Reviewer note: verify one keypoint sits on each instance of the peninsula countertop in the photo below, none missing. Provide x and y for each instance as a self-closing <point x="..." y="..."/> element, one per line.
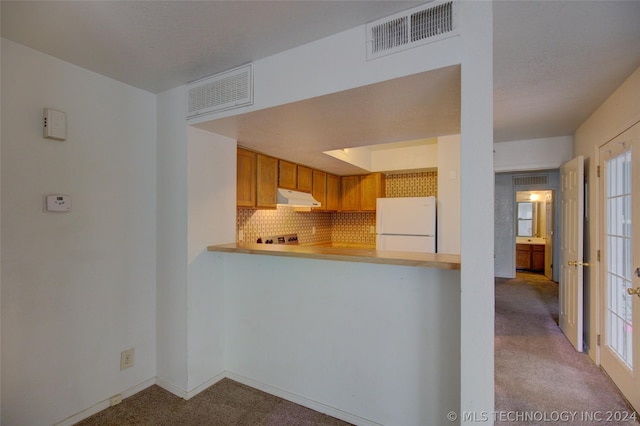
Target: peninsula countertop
<point x="345" y="254"/>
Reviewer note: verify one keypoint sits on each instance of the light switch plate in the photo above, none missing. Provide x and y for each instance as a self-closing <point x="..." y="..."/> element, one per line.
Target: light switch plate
<point x="58" y="203"/>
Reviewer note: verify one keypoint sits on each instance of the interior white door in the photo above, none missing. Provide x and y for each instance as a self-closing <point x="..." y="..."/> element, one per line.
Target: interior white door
<point x="571" y="262"/>
<point x="619" y="242"/>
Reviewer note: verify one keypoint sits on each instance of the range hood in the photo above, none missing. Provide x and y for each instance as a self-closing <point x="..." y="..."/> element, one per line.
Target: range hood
<point x="287" y="197"/>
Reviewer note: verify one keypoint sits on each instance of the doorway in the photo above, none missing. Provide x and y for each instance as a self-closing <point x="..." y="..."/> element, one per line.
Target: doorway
<point x="535" y="228"/>
<point x="619" y="273"/>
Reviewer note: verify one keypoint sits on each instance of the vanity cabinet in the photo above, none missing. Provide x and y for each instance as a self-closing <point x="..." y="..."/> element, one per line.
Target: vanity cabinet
<point x="530" y="257"/>
<point x="246" y="178"/>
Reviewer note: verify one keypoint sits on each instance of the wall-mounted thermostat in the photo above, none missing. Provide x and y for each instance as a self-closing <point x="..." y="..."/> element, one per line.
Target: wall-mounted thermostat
<point x="58" y="203"/>
<point x="55" y="124"/>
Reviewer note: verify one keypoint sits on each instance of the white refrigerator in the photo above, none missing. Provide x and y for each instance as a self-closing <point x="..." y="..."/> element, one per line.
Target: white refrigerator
<point x="406" y="224"/>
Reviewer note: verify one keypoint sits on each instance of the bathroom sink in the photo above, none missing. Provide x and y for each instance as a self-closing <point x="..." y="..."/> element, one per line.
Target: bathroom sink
<point x="530" y="240"/>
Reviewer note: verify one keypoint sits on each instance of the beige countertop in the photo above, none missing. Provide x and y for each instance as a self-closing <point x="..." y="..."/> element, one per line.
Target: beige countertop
<point x="346" y="254"/>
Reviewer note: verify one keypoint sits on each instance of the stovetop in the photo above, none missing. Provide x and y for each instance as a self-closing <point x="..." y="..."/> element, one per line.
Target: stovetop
<point x="279" y="239"/>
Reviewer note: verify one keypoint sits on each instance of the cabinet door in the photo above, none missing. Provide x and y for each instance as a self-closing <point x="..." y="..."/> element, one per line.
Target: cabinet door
<point x="333" y="192"/>
<point x="350" y="193"/>
<point x="523" y="256"/>
<point x="320" y="188"/>
<point x="305" y="179"/>
<point x="371" y="188"/>
<point x="246" y="178"/>
<point x="288" y="175"/>
<point x="537" y="258"/>
<point x="267" y="181"/>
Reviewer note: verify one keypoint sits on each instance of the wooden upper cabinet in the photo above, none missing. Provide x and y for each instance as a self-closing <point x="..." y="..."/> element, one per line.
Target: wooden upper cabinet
<point x="246" y="178"/>
<point x="288" y="176"/>
<point x="350" y="193"/>
<point x="305" y="179"/>
<point x="372" y="187"/>
<point x="320" y="188"/>
<point x="333" y="192"/>
<point x="267" y="181"/>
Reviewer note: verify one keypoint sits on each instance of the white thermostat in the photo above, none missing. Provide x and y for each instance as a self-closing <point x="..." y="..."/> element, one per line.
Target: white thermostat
<point x="58" y="203"/>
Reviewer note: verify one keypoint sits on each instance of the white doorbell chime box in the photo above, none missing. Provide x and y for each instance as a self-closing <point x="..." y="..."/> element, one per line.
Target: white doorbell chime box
<point x="55" y="124"/>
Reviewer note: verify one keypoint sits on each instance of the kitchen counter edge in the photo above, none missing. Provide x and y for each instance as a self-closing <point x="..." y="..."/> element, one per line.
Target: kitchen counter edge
<point x="381" y="257"/>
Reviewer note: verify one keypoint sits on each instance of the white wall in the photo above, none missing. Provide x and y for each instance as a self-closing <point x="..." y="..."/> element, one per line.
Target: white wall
<point x="363" y="342"/>
<point x="77" y="287"/>
<point x="532" y="154"/>
<point x="405" y="159"/>
<point x="212" y="218"/>
<point x="171" y="229"/>
<point x="449" y="194"/>
<point x="619" y="112"/>
<point x="292" y="76"/>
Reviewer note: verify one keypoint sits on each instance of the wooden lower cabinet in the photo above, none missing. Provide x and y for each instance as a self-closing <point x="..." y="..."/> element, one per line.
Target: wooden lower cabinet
<point x="530" y="257"/>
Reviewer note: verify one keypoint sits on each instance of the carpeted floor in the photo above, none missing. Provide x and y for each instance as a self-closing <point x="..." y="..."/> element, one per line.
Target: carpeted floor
<point x="227" y="403"/>
<point x="537" y="371"/>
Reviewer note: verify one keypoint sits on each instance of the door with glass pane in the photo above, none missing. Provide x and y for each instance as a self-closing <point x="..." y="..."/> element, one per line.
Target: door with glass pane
<point x="620" y="258"/>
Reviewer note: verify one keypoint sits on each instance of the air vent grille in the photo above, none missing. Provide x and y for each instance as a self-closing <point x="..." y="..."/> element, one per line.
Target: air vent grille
<point x="531" y="180"/>
<point x="411" y="28"/>
<point x="227" y="90"/>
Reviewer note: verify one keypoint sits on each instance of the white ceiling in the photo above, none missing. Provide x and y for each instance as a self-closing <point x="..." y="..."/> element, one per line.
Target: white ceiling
<point x="554" y="62"/>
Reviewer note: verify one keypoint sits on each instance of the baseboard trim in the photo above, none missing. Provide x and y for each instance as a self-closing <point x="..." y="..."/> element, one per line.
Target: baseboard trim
<point x="96" y="408"/>
<point x="301" y="400"/>
<point x="181" y="393"/>
<point x="184" y="394"/>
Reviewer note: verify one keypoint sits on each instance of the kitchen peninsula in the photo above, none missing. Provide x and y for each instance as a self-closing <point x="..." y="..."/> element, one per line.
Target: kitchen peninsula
<point x="424" y="260"/>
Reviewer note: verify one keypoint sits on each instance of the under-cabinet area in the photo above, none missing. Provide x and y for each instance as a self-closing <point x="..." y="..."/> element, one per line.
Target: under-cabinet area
<point x="347" y="212"/>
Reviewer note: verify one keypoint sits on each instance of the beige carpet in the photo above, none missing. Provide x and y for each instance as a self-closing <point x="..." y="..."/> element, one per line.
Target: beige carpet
<point x="537" y="371"/>
<point x="225" y="403"/>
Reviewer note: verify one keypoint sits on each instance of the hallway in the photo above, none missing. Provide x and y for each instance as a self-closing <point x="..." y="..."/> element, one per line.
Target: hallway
<point x="539" y="377"/>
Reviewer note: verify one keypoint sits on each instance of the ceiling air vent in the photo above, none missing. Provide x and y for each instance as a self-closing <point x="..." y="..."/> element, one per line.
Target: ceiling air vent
<point x="227" y="90"/>
<point x="411" y="28"/>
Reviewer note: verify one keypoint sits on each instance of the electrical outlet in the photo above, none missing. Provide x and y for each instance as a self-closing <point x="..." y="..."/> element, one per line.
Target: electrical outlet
<point x="126" y="359"/>
<point x="116" y="399"/>
<point x="241" y="235"/>
<point x="313" y="230"/>
<point x="372" y="229"/>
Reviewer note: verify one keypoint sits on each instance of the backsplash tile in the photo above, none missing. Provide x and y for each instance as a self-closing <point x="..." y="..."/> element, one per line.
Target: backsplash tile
<point x="419" y="184"/>
<point x="339" y="227"/>
<point x="284" y="220"/>
<point x="353" y="227"/>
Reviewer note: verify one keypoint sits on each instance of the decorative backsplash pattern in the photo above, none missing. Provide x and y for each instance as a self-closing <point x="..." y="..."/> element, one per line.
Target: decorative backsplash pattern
<point x="353" y="227"/>
<point x="419" y="184"/>
<point x="338" y="227"/>
<point x="284" y="220"/>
